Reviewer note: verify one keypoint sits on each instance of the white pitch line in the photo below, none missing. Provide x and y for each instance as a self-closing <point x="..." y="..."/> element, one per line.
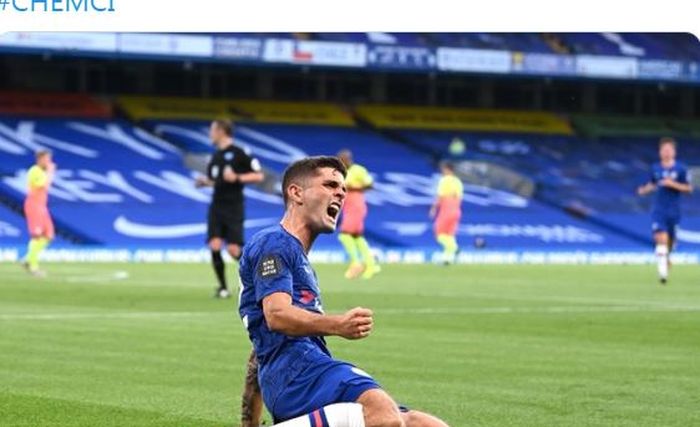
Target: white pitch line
<point x="113" y="315"/>
<point x="575" y="299"/>
<point x="106" y="279"/>
<point x="415" y="311"/>
<point x="540" y="310"/>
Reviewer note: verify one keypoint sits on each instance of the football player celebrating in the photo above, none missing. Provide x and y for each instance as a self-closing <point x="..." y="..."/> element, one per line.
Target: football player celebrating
<point x="669" y="178"/>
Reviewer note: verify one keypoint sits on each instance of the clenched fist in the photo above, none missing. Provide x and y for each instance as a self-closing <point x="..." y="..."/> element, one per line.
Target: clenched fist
<point x="355" y="324"/>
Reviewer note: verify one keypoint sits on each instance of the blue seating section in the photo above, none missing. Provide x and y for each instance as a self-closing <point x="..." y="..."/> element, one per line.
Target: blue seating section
<point x="676" y="46"/>
<point x="122" y="186"/>
<point x="403" y="39"/>
<point x="13" y="230"/>
<point x="116" y="184"/>
<point x="188" y="135"/>
<point x="643" y="45"/>
<point x="596" y="178"/>
<point x="525" y="42"/>
<point x="405" y="181"/>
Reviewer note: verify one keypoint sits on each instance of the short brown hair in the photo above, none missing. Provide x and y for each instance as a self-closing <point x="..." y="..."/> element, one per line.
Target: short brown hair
<point x="308" y="167"/>
<point x="41" y="153"/>
<point x="667" y="140"/>
<point x="447" y="165"/>
<point x="224" y="125"/>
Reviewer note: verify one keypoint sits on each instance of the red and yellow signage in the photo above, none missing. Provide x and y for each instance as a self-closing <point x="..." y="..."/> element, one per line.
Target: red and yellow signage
<point x="52" y="105"/>
<point x="311" y="113"/>
<point x="436" y="118"/>
<point x="146" y="107"/>
<point x="153" y="107"/>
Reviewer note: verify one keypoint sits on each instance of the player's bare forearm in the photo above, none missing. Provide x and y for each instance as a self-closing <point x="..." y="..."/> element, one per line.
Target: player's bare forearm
<point x="251" y="177"/>
<point x="49" y="178"/>
<point x="683" y="188"/>
<point x="646" y="189"/>
<point x="283" y="317"/>
<point x="251" y="401"/>
<point x="203" y="182"/>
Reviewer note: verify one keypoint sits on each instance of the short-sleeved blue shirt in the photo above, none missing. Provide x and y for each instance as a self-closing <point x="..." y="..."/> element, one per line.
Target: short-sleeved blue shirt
<point x="274" y="261"/>
<point x="667" y="201"/>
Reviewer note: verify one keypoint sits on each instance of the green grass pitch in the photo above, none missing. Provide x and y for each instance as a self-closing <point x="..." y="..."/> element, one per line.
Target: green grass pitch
<point x="477" y="345"/>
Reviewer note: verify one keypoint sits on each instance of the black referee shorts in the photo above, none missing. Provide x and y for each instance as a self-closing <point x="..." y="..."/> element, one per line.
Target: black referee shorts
<point x="225" y="222"/>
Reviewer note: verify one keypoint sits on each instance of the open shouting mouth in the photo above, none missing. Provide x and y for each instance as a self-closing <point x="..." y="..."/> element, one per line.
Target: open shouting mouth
<point x="333" y="211"/>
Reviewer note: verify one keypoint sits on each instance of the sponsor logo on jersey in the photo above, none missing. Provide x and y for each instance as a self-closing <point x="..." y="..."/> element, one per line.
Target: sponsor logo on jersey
<point x="307" y="296"/>
<point x="269" y="266"/>
<point x="360" y="372"/>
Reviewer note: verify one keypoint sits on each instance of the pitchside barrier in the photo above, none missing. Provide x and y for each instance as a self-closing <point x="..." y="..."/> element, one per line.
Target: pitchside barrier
<point x="385" y="256"/>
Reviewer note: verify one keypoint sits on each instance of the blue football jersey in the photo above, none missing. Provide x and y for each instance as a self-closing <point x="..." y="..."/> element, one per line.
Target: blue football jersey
<point x="667" y="201"/>
<point x="274" y="261"/>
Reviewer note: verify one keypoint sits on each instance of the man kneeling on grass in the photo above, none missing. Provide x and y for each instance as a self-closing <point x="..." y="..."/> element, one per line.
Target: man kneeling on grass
<point x="280" y="305"/>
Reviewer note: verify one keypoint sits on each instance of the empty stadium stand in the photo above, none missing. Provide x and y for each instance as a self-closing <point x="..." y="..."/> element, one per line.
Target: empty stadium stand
<point x="124" y="183"/>
<point x="592" y="178"/>
<point x="13" y="230"/>
<point x="404" y="189"/>
<point x="116" y="183"/>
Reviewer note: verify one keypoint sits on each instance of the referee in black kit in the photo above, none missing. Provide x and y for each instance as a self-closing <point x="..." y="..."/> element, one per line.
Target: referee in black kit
<point x="228" y="170"/>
